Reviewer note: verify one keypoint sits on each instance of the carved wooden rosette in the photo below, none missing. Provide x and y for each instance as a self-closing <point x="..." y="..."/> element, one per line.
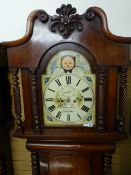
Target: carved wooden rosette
<point x="107" y="164"/>
<point x="35" y="102"/>
<point x="66" y="21"/>
<point x="17" y="101"/>
<point x="35" y="163"/>
<point x="122" y="100"/>
<point x="100" y="99"/>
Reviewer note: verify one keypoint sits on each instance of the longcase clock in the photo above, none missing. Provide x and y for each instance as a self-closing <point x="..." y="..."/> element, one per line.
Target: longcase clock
<point x="73" y="73"/>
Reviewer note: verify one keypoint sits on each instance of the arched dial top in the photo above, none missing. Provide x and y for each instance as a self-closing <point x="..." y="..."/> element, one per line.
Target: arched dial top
<point x="68" y="90"/>
<point x="68" y="61"/>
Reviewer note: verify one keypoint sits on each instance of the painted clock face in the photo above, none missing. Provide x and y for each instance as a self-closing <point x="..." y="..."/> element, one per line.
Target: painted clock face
<point x="68" y="91"/>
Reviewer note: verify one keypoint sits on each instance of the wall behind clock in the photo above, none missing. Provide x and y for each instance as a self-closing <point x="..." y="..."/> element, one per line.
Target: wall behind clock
<point x="13" y="17"/>
<point x="14" y="13"/>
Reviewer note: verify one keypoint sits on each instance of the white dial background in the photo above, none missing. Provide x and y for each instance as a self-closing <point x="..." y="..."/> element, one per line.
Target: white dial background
<point x="69" y="99"/>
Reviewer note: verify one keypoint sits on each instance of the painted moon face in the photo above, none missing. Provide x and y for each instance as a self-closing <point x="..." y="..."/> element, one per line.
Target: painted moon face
<point x="68" y="63"/>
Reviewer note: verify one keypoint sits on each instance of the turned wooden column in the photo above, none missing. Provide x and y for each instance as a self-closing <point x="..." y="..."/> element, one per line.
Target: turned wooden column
<point x="122" y="100"/>
<point x="17" y="100"/>
<point x="107" y="164"/>
<point x="35" y="163"/>
<point x="100" y="99"/>
<point x="35" y="102"/>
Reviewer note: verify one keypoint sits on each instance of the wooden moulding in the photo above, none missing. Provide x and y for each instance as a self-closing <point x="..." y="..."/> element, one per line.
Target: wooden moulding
<point x="89" y="147"/>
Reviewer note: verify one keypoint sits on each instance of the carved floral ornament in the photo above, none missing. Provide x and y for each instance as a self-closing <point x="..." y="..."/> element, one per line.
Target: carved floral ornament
<point x="66" y="21"/>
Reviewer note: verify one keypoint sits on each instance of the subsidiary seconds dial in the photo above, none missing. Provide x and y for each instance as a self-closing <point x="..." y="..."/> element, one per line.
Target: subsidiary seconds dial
<point x="69" y="99"/>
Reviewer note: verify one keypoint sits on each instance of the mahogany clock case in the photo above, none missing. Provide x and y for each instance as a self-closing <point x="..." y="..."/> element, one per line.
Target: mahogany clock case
<point x="105" y="52"/>
<point x="108" y="56"/>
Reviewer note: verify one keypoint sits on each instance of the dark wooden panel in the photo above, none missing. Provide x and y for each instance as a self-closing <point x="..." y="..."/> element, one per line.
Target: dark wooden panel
<point x="70" y="163"/>
<point x="112" y="91"/>
<point x="27" y="98"/>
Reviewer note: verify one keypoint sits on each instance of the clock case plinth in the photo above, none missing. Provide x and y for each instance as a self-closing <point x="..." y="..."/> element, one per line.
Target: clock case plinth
<point x="70" y="150"/>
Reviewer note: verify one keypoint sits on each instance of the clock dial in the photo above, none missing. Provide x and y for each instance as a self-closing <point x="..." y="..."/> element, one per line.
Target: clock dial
<point x="69" y="99"/>
<point x="68" y="90"/>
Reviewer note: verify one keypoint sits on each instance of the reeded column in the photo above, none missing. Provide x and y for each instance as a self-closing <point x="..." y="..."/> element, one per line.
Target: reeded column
<point x="35" y="99"/>
<point x="107" y="164"/>
<point x="35" y="163"/>
<point x="100" y="92"/>
<point x="122" y="100"/>
<point x="17" y="100"/>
